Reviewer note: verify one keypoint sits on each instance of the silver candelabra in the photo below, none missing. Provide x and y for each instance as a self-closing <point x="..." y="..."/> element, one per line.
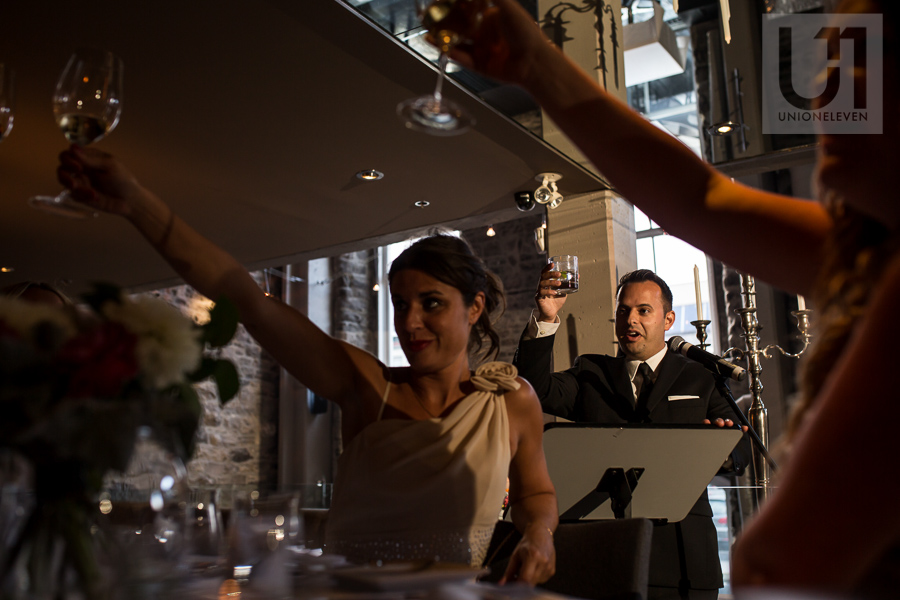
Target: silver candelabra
<point x="756" y="415"/>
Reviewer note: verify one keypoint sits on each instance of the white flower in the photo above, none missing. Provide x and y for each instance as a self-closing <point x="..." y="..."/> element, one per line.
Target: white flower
<point x="168" y="344"/>
<point x="22" y="316"/>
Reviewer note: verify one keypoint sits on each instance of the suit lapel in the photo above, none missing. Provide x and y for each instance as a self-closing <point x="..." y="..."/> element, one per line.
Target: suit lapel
<point x="666" y="374"/>
<point x="621" y="384"/>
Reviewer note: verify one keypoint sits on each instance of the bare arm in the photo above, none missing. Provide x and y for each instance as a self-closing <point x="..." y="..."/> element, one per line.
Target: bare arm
<point x="811" y="533"/>
<point x="312" y="356"/>
<point x="531" y="494"/>
<point x="771" y="236"/>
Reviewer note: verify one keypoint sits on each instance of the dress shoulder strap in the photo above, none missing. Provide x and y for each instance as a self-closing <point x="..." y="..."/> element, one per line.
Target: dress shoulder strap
<point x="387" y="390"/>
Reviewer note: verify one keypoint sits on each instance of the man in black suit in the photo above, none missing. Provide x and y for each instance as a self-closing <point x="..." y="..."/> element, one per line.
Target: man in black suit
<point x="644" y="384"/>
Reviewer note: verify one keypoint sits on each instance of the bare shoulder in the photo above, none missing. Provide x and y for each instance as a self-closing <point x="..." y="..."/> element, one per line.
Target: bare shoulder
<point x="524" y="409"/>
<point x="524" y="398"/>
<point x="370" y="375"/>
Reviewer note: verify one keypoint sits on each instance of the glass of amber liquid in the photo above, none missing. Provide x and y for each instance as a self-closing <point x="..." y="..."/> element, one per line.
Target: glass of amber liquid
<point x="567" y="265"/>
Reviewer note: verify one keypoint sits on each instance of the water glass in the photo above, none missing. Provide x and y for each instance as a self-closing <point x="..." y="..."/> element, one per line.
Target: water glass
<point x="204" y="532"/>
<point x="267" y="520"/>
<point x="567" y="265"/>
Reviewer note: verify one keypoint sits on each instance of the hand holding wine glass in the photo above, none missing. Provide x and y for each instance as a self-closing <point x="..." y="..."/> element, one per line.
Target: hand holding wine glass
<point x="6" y="100"/>
<point x="449" y="23"/>
<point x="87" y="105"/>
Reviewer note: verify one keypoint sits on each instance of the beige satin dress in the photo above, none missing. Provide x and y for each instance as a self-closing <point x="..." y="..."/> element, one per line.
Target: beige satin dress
<point x="411" y="490"/>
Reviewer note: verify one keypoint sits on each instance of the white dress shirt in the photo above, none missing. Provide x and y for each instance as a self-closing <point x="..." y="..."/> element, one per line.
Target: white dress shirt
<point x="538" y="329"/>
<point x="653" y="362"/>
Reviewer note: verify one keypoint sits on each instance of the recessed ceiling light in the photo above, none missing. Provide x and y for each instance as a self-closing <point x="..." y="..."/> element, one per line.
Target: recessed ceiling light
<point x="370" y="175"/>
<point x="422" y="204"/>
<point x="726" y="128"/>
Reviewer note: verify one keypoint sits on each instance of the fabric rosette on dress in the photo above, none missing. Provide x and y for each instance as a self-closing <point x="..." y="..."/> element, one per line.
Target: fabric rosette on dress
<point x="496" y="377"/>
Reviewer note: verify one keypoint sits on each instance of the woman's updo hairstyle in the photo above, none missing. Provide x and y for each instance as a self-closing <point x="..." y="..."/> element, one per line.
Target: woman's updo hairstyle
<point x="450" y="260"/>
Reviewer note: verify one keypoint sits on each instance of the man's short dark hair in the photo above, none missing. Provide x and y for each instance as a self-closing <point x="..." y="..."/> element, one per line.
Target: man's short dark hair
<point x="642" y="275"/>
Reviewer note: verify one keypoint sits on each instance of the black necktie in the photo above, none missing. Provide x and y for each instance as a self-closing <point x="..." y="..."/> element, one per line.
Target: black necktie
<point x="643" y="383"/>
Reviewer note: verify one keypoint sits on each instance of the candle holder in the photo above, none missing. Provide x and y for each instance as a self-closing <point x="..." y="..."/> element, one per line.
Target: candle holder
<point x="701" y="325"/>
<point x="757" y="413"/>
<point x="802" y="316"/>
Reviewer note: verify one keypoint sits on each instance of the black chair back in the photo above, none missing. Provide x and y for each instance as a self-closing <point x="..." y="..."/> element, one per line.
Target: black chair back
<point x="599" y="560"/>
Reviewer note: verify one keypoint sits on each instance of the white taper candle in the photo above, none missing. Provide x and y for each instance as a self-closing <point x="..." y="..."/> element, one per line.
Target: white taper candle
<point x="697" y="291"/>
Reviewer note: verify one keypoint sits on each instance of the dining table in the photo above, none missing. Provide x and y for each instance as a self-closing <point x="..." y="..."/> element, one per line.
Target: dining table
<point x="299" y="573"/>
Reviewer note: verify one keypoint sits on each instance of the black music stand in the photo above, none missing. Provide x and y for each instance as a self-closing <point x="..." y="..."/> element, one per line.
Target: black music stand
<point x="652" y="471"/>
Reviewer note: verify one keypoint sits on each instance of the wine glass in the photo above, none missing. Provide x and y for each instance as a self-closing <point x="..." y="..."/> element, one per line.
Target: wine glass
<point x="262" y="527"/>
<point x="7" y="78"/>
<point x="87" y="105"/>
<point x="450" y="23"/>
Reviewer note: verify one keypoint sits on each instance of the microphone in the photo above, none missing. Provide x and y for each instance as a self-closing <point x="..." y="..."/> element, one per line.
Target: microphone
<point x="716" y="364"/>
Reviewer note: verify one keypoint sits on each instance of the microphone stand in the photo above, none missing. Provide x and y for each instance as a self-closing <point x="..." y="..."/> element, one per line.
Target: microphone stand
<point x="725" y="391"/>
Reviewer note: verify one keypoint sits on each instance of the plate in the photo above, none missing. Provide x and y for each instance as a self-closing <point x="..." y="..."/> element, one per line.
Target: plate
<point x="406" y="575"/>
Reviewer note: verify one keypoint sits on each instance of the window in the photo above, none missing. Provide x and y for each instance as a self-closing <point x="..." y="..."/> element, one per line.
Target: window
<point x="674" y="260"/>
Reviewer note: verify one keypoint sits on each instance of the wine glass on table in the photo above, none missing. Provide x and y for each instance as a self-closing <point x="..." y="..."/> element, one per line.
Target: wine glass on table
<point x="7" y="77"/>
<point x="87" y="105"/>
<point x="449" y="23"/>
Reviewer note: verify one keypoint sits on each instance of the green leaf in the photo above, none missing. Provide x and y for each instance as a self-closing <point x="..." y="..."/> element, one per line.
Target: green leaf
<point x="187" y="428"/>
<point x="227" y="380"/>
<point x="222" y="325"/>
<point x="102" y="293"/>
<point x="183" y="418"/>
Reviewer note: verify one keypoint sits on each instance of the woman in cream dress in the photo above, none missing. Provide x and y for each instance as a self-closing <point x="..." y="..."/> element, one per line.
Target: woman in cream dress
<point x="429" y="446"/>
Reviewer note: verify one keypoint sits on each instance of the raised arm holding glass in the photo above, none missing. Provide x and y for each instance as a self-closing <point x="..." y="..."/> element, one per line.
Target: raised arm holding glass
<point x="428" y="447"/>
<point x="841" y="251"/>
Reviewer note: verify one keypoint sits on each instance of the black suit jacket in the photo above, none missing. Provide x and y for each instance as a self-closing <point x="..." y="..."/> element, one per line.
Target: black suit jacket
<point x="597" y="389"/>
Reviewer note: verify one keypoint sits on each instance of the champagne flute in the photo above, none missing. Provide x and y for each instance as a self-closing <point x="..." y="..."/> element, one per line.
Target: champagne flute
<point x="7" y="78"/>
<point x="450" y="23"/>
<point x="87" y="105"/>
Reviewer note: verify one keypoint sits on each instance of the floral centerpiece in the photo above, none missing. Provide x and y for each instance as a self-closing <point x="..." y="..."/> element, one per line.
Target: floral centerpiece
<point x="75" y="385"/>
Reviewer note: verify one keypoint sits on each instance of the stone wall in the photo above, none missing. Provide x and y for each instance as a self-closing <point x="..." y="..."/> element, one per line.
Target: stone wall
<point x="354" y="304"/>
<point x="237" y="442"/>
<point x="512" y="255"/>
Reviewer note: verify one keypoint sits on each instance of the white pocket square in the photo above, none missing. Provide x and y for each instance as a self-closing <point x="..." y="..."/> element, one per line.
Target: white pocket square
<point x="674" y="398"/>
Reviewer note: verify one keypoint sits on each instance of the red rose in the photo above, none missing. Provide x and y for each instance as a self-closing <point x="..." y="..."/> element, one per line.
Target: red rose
<point x="101" y="361"/>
